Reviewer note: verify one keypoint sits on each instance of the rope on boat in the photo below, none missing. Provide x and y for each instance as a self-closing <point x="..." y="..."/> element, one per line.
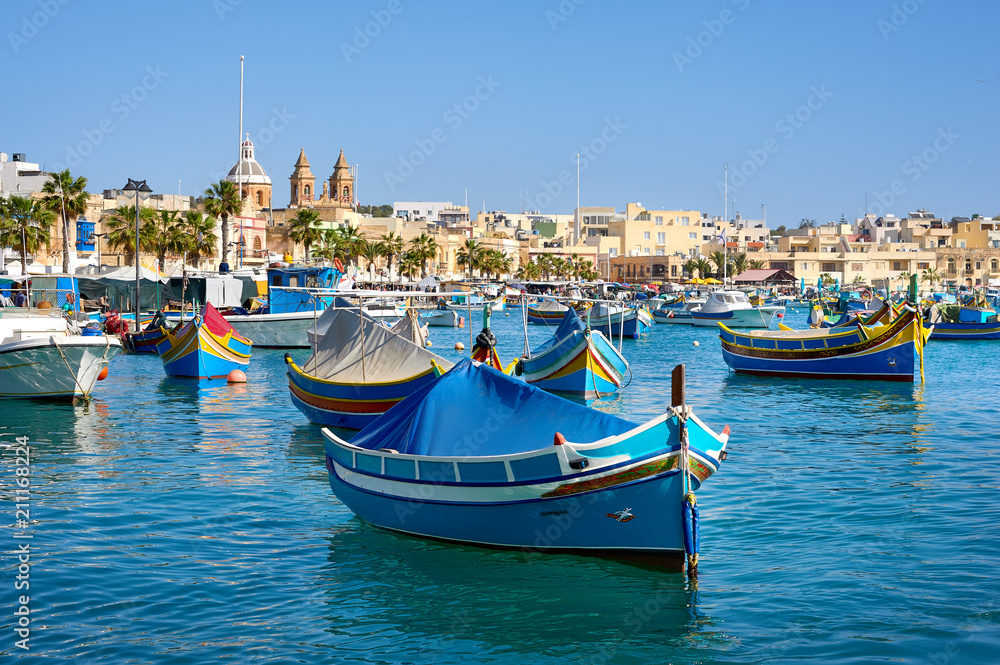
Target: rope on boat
<point x="107" y="347"/>
<point x="692" y="523"/>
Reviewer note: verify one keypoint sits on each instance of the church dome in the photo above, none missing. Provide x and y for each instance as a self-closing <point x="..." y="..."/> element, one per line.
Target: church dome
<point x="248" y="171"/>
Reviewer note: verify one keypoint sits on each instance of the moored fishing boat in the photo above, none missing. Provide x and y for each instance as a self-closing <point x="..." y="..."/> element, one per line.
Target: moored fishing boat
<point x="885" y="352"/>
<point x="478" y="457"/>
<point x="682" y="314"/>
<point x="546" y="311"/>
<point x="615" y="319"/>
<point x="145" y="341"/>
<point x="207" y="347"/>
<point x="43" y="356"/>
<point x="576" y="361"/>
<point x="734" y="310"/>
<point x="441" y="316"/>
<point x="971" y="319"/>
<point x="358" y="370"/>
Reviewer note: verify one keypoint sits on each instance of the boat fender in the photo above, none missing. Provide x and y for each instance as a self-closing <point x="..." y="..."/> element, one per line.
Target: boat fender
<point x="691" y="523"/>
<point x="519" y="367"/>
<point x="486" y="339"/>
<point x="558" y="439"/>
<point x="338" y="265"/>
<point x="288" y="359"/>
<point x="461" y="322"/>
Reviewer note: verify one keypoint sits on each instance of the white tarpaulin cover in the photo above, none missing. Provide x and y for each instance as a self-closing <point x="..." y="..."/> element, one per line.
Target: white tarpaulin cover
<point x="550" y="306"/>
<point x="387" y="356"/>
<point x="409" y="328"/>
<point x="127" y="274"/>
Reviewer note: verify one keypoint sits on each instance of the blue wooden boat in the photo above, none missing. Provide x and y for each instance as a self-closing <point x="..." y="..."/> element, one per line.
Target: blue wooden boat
<point x="616" y="319"/>
<point x="969" y="320"/>
<point x="148" y="338"/>
<point x="481" y="458"/>
<point x="546" y="311"/>
<point x="206" y="347"/>
<point x="358" y="371"/>
<point x="576" y="361"/>
<point x="884" y="352"/>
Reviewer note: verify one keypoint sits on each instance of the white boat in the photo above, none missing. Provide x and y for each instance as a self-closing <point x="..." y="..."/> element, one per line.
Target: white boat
<point x="734" y="309"/>
<point x="463" y="304"/>
<point x="42" y="356"/>
<point x="442" y="316"/>
<point x="385" y="309"/>
<point x="681" y="314"/>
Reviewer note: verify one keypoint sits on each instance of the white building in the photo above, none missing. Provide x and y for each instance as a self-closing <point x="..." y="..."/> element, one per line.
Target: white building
<point x="18" y="176"/>
<point x="444" y="212"/>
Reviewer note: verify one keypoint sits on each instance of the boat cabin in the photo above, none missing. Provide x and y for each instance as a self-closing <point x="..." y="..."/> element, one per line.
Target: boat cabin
<point x="283" y="295"/>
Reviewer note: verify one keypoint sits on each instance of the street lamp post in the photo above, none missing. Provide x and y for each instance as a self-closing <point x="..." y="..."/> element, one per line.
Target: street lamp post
<point x="98" y="236"/>
<point x="139" y="190"/>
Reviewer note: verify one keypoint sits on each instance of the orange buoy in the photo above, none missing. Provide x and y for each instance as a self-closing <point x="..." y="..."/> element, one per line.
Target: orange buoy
<point x="459" y="346"/>
<point x="461" y="322"/>
<point x="236" y="376"/>
<point x="104" y="373"/>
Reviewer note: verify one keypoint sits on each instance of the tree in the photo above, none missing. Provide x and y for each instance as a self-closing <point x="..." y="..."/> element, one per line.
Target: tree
<point x="370" y="251"/>
<point x="304" y="228"/>
<point x="120" y="227"/>
<point x="720" y="260"/>
<point x="67" y="197"/>
<point x="931" y="276"/>
<point x="529" y="271"/>
<point x="27" y="224"/>
<point x="826" y="278"/>
<point x="424" y="247"/>
<point x="704" y="267"/>
<point x="780" y="231"/>
<point x="807" y="223"/>
<point x="331" y="246"/>
<point x="409" y="264"/>
<point x="198" y="230"/>
<point x="545" y="264"/>
<point x="392" y="246"/>
<point x="164" y="235"/>
<point x="469" y="255"/>
<point x="350" y="238"/>
<point x="757" y="264"/>
<point x="690" y="267"/>
<point x="741" y="262"/>
<point x="223" y="200"/>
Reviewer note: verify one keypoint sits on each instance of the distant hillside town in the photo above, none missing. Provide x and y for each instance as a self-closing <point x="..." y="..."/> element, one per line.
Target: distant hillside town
<point x="235" y="224"/>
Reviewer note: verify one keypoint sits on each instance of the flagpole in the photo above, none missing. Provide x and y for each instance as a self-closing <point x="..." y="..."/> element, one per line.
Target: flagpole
<point x="725" y="223"/>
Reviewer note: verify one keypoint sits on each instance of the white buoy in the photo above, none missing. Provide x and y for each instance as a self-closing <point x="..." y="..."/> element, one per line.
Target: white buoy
<point x="696" y="343"/>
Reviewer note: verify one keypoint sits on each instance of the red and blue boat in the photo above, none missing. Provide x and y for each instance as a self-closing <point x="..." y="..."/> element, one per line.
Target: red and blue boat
<point x="576" y="361"/>
<point x="970" y="319"/>
<point x="207" y="347"/>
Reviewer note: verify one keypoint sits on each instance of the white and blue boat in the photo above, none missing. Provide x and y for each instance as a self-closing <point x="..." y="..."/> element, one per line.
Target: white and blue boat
<point x="733" y="309"/>
<point x="481" y="458"/>
<point x="575" y="361"/>
<point x="616" y="319"/>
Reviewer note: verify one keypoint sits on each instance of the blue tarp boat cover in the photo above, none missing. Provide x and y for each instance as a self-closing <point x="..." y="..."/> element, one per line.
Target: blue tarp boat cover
<point x="571" y="323"/>
<point x="474" y="410"/>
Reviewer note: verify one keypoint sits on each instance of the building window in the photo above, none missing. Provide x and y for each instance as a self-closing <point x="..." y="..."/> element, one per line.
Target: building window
<point x="968" y="266"/>
<point x="659" y="220"/>
<point x="260" y="202"/>
<point x="256" y="244"/>
<point x="661" y="238"/>
<point x="896" y="265"/>
<point x="978" y="266"/>
<point x="805" y="266"/>
<point x="645" y="250"/>
<point x="305" y="190"/>
<point x="673" y="271"/>
<point x="779" y="265"/>
<point x="347" y="192"/>
<point x="993" y="265"/>
<point x="692" y="236"/>
<point x="685" y="221"/>
<point x="857" y="267"/>
<point x="613" y="251"/>
<point x="923" y="266"/>
<point x="295" y="192"/>
<point x="645" y="235"/>
<point x="829" y="267"/>
<point x="951" y="265"/>
<point x="661" y="252"/>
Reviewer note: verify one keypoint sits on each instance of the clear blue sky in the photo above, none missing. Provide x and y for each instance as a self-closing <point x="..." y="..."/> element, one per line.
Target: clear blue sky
<point x="663" y="93"/>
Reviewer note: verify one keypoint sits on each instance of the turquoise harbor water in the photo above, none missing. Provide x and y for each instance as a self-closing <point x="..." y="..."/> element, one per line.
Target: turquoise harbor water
<point x="177" y="522"/>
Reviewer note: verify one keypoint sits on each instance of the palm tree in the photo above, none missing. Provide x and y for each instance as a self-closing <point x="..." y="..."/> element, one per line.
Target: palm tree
<point x="931" y="276"/>
<point x="392" y="244"/>
<point x="757" y="264"/>
<point x="691" y="267"/>
<point x="720" y="260"/>
<point x="545" y="263"/>
<point x="350" y="237"/>
<point x="28" y="223"/>
<point x="826" y="278"/>
<point x="408" y="264"/>
<point x="120" y="227"/>
<point x="370" y="251"/>
<point x="198" y="231"/>
<point x="704" y="267"/>
<point x="740" y="263"/>
<point x="67" y="197"/>
<point x="332" y="245"/>
<point x="425" y="247"/>
<point x="164" y="235"/>
<point x="223" y="200"/>
<point x="470" y="255"/>
<point x="304" y="228"/>
<point x="529" y="271"/>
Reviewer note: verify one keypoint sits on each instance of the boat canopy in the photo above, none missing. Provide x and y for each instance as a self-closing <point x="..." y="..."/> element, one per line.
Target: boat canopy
<point x="375" y="354"/>
<point x="475" y="411"/>
<point x="409" y="327"/>
<point x="571" y="323"/>
<point x="549" y="306"/>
